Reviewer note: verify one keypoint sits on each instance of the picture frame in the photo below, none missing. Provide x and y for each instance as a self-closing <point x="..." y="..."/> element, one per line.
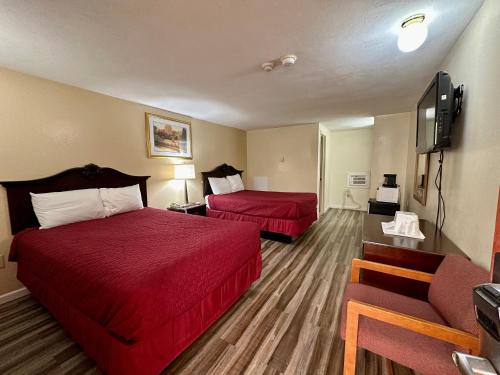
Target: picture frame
<point x="421" y="178"/>
<point x="168" y="137"/>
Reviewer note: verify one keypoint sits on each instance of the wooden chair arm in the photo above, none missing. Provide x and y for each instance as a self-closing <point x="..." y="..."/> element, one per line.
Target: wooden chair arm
<point x="431" y="329"/>
<point x="358" y="264"/>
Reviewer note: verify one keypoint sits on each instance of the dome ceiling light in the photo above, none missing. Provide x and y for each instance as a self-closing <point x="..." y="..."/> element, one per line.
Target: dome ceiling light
<point x="413" y="33"/>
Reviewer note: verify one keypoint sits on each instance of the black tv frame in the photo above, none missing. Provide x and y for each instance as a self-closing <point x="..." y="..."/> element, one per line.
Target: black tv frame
<point x="448" y="106"/>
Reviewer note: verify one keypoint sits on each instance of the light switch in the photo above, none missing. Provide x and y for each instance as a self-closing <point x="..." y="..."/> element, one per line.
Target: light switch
<point x="2" y="261"/>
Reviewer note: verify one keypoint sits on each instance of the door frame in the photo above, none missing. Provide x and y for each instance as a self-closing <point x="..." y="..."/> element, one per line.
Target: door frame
<point x="322" y="169"/>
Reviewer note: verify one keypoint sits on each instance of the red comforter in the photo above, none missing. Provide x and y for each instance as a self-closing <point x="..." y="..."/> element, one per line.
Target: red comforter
<point x="132" y="272"/>
<point x="265" y="203"/>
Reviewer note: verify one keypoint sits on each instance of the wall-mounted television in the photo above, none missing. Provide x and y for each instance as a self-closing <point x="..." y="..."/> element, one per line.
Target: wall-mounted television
<point x="436" y="111"/>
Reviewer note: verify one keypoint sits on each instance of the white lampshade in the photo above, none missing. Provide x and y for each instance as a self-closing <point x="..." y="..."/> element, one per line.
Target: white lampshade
<point x="184" y="172"/>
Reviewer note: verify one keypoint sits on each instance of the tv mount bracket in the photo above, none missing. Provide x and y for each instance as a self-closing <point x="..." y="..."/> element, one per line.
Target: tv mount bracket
<point x="458" y="95"/>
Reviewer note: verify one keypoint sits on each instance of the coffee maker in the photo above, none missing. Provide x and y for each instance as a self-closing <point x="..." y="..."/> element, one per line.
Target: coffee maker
<point x="486" y="299"/>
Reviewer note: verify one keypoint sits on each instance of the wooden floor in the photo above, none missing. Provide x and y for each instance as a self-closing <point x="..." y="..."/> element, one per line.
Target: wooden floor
<point x="287" y="323"/>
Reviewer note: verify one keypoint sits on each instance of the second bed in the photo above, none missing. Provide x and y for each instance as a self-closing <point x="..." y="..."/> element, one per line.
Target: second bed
<point x="285" y="214"/>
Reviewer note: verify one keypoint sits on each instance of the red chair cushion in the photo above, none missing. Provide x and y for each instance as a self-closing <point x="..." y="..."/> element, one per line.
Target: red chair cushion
<point x="451" y="291"/>
<point x="418" y="352"/>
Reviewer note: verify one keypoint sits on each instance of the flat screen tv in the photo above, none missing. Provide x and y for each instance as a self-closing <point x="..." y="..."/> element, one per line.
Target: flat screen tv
<point x="436" y="111"/>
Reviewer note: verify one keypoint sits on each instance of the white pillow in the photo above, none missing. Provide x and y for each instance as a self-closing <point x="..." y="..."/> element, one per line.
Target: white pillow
<point x="236" y="183"/>
<point x="65" y="207"/>
<point x="118" y="200"/>
<point x="219" y="185"/>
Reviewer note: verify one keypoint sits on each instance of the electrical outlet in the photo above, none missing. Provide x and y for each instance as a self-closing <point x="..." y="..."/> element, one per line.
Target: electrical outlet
<point x="2" y="261"/>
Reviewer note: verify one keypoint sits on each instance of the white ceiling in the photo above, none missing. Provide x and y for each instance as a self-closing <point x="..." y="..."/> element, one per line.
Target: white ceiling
<point x="202" y="58"/>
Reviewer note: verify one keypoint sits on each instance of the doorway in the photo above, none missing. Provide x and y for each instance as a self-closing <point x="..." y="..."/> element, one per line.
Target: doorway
<point x="322" y="153"/>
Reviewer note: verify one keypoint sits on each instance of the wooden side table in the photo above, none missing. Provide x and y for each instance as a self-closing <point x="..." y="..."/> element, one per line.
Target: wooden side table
<point x="422" y="255"/>
<point x="198" y="209"/>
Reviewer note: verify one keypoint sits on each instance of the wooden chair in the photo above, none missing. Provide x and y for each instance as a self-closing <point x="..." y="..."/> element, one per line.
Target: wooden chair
<point x="417" y="334"/>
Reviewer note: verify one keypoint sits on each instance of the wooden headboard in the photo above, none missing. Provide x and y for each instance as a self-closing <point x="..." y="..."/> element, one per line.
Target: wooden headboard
<point x="90" y="176"/>
<point x="222" y="170"/>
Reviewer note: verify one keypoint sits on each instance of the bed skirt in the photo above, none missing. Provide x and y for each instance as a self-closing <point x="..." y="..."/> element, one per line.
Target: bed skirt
<point x="289" y="227"/>
<point x="152" y="354"/>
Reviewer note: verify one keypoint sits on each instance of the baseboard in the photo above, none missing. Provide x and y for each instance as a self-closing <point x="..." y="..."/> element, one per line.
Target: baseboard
<point x="356" y="208"/>
<point x="7" y="297"/>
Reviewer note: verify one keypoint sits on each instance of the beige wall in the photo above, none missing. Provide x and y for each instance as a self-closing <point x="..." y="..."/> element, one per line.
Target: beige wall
<point x="390" y="149"/>
<point x="471" y="175"/>
<point x="287" y="156"/>
<point x="46" y="127"/>
<point x="348" y="151"/>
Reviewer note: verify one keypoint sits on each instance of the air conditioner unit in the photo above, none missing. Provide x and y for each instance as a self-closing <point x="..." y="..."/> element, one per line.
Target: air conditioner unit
<point x="358" y="179"/>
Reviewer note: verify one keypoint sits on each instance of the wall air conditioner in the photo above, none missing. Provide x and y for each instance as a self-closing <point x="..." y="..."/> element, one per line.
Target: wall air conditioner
<point x="358" y="179"/>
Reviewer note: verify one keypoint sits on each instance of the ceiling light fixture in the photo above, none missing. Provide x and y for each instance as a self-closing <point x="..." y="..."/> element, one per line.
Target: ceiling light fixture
<point x="288" y="60"/>
<point x="413" y="33"/>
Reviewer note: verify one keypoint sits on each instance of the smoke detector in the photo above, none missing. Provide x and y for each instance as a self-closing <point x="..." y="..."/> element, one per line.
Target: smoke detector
<point x="267" y="66"/>
<point x="288" y="60"/>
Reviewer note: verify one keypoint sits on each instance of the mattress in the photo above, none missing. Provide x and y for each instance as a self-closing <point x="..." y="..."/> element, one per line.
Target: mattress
<point x="267" y="204"/>
<point x="288" y="227"/>
<point x="131" y="273"/>
<point x="150" y="355"/>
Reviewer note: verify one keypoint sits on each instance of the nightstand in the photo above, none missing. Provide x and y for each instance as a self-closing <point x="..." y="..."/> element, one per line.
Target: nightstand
<point x="197" y="209"/>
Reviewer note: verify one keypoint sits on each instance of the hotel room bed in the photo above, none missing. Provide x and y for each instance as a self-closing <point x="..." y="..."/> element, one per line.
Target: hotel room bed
<point x="288" y="214"/>
<point x="278" y="212"/>
<point x="137" y="288"/>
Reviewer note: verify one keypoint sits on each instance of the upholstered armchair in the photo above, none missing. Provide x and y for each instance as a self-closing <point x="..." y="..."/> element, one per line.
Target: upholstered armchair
<point x="418" y="334"/>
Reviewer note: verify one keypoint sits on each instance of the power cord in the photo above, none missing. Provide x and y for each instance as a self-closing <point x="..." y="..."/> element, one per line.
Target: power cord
<point x="441" y="208"/>
<point x="348" y="194"/>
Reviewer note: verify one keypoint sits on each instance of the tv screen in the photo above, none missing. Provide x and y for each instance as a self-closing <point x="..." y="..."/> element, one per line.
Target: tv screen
<point x="436" y="111"/>
<point x="427" y="120"/>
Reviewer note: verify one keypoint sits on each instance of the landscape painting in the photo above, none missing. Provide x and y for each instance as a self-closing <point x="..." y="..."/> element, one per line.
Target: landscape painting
<point x="167" y="137"/>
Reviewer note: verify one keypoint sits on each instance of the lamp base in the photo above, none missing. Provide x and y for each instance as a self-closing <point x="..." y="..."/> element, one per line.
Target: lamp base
<point x="186" y="197"/>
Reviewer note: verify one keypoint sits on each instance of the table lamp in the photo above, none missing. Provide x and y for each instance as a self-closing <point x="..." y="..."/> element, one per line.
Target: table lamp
<point x="184" y="172"/>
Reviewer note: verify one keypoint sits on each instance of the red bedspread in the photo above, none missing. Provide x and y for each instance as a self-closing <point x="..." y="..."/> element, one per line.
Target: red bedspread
<point x="132" y="272"/>
<point x="265" y="203"/>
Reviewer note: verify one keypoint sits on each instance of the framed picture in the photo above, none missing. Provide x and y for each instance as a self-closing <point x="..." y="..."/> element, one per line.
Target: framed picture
<point x="168" y="137"/>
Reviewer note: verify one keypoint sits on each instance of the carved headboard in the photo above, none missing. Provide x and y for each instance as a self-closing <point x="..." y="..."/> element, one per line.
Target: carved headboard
<point x="90" y="176"/>
<point x="222" y="170"/>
